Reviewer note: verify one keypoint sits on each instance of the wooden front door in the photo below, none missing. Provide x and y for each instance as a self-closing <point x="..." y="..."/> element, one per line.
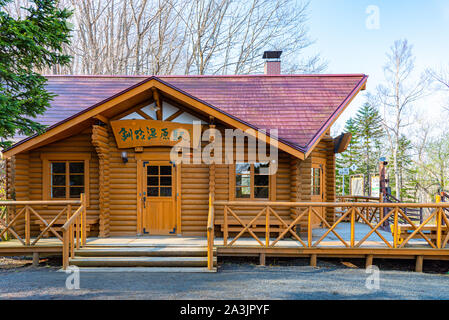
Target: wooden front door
<point x="159" y="212"/>
<point x="317" y="186"/>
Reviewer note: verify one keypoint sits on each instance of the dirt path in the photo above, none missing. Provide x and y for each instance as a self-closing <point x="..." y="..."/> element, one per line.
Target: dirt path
<point x="331" y="280"/>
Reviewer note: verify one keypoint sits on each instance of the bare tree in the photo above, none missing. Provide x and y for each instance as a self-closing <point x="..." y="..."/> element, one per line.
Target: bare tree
<point x="230" y="38"/>
<point x="441" y="78"/>
<point x="397" y="96"/>
<point x="185" y="36"/>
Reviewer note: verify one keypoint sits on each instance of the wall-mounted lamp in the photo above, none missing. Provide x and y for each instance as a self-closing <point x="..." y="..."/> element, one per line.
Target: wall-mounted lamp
<point x="125" y="157"/>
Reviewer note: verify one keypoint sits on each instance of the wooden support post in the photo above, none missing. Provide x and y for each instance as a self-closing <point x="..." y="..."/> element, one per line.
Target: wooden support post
<point x="77" y="230"/>
<point x="369" y="260"/>
<point x="84" y="219"/>
<point x="352" y="227"/>
<point x="395" y="229"/>
<point x="419" y="263"/>
<point x="65" y="250"/>
<point x="262" y="259"/>
<point x="309" y="228"/>
<point x="267" y="227"/>
<point x="313" y="259"/>
<point x="439" y="218"/>
<point x="27" y="226"/>
<point x="225" y="228"/>
<point x="35" y="259"/>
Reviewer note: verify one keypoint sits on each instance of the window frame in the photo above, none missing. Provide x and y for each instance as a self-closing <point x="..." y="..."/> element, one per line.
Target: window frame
<point x="49" y="158"/>
<point x="316" y="174"/>
<point x="319" y="164"/>
<point x="233" y="184"/>
<point x="159" y="186"/>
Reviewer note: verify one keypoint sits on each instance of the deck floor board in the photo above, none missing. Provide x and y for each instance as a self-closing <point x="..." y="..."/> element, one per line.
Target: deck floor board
<point x="331" y="241"/>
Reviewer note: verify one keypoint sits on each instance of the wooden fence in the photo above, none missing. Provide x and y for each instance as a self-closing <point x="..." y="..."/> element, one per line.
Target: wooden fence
<point x="353" y="210"/>
<point x="73" y="231"/>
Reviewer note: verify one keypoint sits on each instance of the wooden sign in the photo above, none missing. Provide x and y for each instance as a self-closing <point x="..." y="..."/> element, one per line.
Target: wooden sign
<point x="150" y="133"/>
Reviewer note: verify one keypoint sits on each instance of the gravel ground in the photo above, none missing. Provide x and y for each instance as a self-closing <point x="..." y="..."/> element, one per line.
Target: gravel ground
<point x="281" y="279"/>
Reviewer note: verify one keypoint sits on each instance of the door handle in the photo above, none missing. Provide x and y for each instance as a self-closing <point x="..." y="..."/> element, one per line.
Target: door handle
<point x="144" y="202"/>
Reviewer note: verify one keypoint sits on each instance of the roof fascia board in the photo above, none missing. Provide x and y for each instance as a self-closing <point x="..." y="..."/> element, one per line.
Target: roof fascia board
<point x="314" y="142"/>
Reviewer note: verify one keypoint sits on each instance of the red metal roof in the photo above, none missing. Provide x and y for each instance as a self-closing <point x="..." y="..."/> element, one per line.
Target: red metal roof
<point x="299" y="106"/>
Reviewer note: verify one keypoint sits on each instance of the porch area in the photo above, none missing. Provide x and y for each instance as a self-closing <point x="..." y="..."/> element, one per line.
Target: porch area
<point x="360" y="230"/>
<point x="189" y="254"/>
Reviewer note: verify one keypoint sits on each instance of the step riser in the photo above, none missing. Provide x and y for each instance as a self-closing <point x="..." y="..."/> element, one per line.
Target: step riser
<point x="141" y="257"/>
<point x="135" y="264"/>
<point x="140" y="254"/>
<point x="146" y="270"/>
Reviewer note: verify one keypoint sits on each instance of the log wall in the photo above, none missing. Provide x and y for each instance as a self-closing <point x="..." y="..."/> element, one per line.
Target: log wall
<point x="28" y="177"/>
<point x="300" y="172"/>
<point x="113" y="184"/>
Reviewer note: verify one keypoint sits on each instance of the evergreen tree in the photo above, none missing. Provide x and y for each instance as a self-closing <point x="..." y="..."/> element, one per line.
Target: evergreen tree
<point x="406" y="171"/>
<point x="369" y="132"/>
<point x="28" y="45"/>
<point x="349" y="157"/>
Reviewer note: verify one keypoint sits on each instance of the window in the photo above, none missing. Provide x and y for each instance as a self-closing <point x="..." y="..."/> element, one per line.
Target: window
<point x="65" y="175"/>
<point x="67" y="179"/>
<point x="159" y="181"/>
<point x="252" y="181"/>
<point x="316" y="181"/>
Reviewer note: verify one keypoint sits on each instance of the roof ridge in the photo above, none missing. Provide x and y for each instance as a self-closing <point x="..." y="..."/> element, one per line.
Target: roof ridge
<point x="208" y="76"/>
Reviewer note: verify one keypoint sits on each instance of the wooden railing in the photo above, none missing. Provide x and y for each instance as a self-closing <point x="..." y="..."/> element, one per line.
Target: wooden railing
<point x="210" y="233"/>
<point x="415" y="214"/>
<point x="74" y="229"/>
<point x="74" y="232"/>
<point x="371" y="214"/>
<point x="309" y="211"/>
<point x="357" y="199"/>
<point x="4" y="217"/>
<point x="27" y="212"/>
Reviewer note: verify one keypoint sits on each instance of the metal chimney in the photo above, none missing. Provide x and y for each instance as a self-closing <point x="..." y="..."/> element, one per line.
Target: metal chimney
<point x="272" y="62"/>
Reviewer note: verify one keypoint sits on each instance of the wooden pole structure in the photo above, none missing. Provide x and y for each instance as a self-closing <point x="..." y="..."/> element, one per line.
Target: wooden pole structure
<point x="313" y="260"/>
<point x="369" y="261"/>
<point x="27" y="226"/>
<point x="419" y="263"/>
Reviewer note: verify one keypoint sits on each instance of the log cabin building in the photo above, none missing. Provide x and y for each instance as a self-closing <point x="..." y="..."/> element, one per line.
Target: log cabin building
<point x="105" y="139"/>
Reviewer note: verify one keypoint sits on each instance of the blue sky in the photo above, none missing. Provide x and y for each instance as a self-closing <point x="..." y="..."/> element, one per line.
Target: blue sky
<point x="339" y="28"/>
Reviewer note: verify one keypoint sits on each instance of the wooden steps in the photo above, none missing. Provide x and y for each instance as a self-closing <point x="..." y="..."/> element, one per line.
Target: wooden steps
<point x="145" y="270"/>
<point x="142" y="252"/>
<point x="160" y="258"/>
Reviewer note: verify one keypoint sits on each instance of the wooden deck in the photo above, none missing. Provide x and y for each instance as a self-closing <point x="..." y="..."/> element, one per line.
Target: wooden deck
<point x="330" y="247"/>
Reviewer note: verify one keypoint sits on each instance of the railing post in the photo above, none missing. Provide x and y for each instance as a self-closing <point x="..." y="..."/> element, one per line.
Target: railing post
<point x="395" y="229"/>
<point x="69" y="231"/>
<point x="65" y="249"/>
<point x="309" y="228"/>
<point x="352" y="227"/>
<point x="27" y="226"/>
<point x="267" y="227"/>
<point x="77" y="232"/>
<point x="83" y="220"/>
<point x="225" y="228"/>
<point x="439" y="217"/>
<point x="210" y="233"/>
